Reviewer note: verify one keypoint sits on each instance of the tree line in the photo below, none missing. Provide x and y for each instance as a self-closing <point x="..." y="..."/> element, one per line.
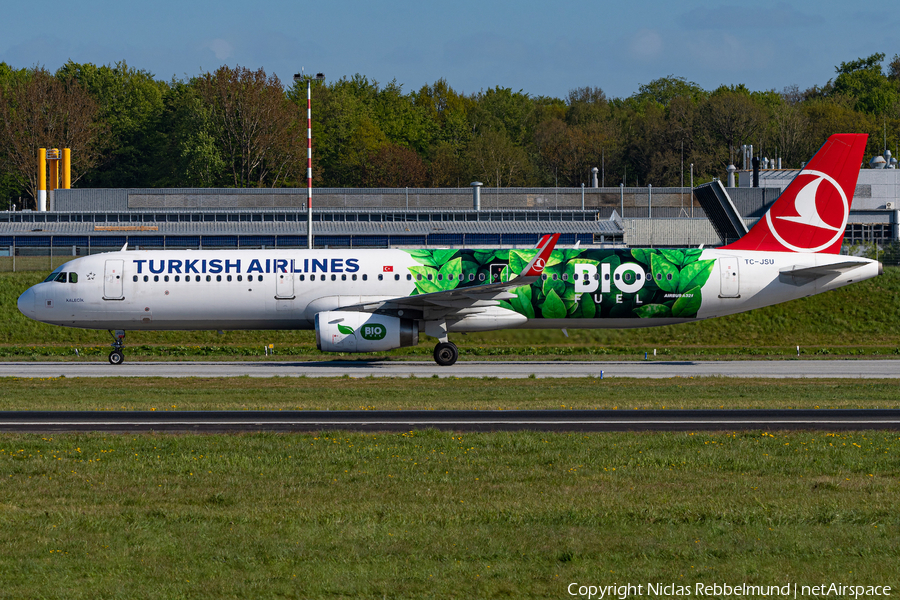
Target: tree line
<point x="237" y="127"/>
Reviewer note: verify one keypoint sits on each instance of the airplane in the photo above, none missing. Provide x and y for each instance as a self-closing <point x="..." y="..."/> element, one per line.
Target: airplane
<point x="380" y="300"/>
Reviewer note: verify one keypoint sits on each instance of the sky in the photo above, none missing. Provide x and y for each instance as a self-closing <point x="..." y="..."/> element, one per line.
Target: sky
<point x="541" y="48"/>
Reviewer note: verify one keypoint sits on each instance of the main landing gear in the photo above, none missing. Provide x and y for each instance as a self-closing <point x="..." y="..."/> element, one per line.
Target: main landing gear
<point x="445" y="354"/>
<point x="117" y="357"/>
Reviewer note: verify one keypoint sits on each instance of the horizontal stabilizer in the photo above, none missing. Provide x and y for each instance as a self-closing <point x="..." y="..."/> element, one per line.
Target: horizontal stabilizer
<point x="802" y="275"/>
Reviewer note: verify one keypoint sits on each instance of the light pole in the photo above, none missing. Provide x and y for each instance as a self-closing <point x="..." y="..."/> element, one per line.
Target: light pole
<point x="309" y="79"/>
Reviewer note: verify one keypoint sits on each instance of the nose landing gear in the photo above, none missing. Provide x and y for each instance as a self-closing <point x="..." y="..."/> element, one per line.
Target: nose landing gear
<point x="117" y="357"/>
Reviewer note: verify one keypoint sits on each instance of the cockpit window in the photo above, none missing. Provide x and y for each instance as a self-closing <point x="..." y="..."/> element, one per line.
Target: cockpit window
<point x="73" y="277"/>
<point x="62" y="277"/>
<point x="52" y="276"/>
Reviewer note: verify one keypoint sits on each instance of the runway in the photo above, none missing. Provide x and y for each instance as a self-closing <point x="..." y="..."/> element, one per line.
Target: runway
<point x="852" y="369"/>
<point x="468" y="421"/>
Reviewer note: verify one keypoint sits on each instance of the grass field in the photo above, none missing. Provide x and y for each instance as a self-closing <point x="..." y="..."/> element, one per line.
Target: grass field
<point x="438" y="515"/>
<point x="858" y="320"/>
<point x="379" y="393"/>
<point x="441" y="515"/>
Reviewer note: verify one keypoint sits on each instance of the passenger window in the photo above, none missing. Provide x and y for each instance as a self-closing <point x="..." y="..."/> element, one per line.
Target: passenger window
<point x="240" y="277"/>
<point x="62" y="277"/>
<point x="259" y="277"/>
<point x="409" y="276"/>
<point x="343" y="278"/>
<point x="333" y="277"/>
<point x="606" y="277"/>
<point x="440" y="277"/>
<point x="544" y="277"/>
<point x="177" y="278"/>
<point x="618" y="277"/>
<point x="565" y="277"/>
<point x="155" y="278"/>
<point x="669" y="276"/>
<point x="218" y="278"/>
<point x="575" y="276"/>
<point x="397" y="277"/>
<point x="430" y="277"/>
<point x="249" y="277"/>
<point x="365" y="277"/>
<point x="166" y="278"/>
<point x="380" y="277"/>
<point x="302" y="278"/>
<point x="418" y="277"/>
<point x="134" y="278"/>
<point x="73" y="277"/>
<point x="481" y="277"/>
<point x="146" y="278"/>
<point x="555" y="277"/>
<point x="354" y="277"/>
<point x="197" y="278"/>
<point x="228" y="277"/>
<point x="209" y="277"/>
<point x="471" y="276"/>
<point x="659" y="276"/>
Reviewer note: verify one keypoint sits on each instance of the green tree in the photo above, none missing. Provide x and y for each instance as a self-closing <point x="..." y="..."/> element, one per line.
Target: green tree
<point x="501" y="109"/>
<point x="732" y="117"/>
<point x="497" y="161"/>
<point x="586" y="105"/>
<point x="130" y="103"/>
<point x="188" y="154"/>
<point x="665" y="89"/>
<point x="44" y="111"/>
<point x="255" y="125"/>
<point x="863" y="81"/>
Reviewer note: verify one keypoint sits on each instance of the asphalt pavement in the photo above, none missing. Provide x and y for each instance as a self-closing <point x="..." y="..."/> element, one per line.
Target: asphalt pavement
<point x="849" y="369"/>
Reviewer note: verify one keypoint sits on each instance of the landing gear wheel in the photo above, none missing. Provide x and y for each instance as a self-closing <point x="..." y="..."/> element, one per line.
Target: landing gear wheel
<point x="445" y="354"/>
<point x="117" y="357"/>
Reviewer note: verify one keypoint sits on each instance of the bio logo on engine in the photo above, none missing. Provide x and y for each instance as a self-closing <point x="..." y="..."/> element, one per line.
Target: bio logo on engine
<point x="373" y="332"/>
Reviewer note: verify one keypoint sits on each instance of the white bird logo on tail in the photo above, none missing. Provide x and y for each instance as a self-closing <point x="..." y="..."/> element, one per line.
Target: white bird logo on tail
<point x="805" y="205"/>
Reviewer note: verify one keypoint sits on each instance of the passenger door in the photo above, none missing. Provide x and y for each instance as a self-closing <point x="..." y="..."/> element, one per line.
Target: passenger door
<point x="730" y="277"/>
<point x="113" y="280"/>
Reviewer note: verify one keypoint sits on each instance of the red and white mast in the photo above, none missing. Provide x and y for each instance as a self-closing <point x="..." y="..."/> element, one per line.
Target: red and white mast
<point x="309" y="219"/>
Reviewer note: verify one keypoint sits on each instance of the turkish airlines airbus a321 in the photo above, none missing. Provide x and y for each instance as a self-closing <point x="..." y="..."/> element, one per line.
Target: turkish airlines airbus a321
<point x="378" y="300"/>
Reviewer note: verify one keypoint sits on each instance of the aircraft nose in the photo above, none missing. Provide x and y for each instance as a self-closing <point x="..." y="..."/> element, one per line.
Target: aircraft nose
<point x="26" y="303"/>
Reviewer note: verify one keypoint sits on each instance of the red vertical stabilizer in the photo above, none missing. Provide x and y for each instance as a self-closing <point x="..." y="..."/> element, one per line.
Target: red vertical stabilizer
<point x="811" y="214"/>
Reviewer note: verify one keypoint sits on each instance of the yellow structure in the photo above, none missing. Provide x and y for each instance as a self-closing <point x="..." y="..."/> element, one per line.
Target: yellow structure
<point x="42" y="180"/>
<point x="60" y="174"/>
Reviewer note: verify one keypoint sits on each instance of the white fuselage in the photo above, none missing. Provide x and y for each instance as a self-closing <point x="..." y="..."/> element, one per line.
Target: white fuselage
<point x="284" y="289"/>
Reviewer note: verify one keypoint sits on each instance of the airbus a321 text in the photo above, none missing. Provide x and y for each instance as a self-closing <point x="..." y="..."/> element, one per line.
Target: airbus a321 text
<point x="378" y="300"/>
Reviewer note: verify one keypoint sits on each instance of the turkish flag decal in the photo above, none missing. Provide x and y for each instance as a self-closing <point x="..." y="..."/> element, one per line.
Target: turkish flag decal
<point x="388" y="268"/>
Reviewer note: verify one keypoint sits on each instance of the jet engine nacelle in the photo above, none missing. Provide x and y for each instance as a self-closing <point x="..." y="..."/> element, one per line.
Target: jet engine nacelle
<point x="338" y="331"/>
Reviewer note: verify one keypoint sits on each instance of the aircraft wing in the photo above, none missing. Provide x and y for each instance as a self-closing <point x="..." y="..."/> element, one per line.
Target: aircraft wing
<point x="803" y="275"/>
<point x="464" y="300"/>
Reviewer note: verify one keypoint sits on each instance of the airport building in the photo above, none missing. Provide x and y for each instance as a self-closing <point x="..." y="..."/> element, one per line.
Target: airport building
<point x="90" y="219"/>
<point x="84" y="221"/>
